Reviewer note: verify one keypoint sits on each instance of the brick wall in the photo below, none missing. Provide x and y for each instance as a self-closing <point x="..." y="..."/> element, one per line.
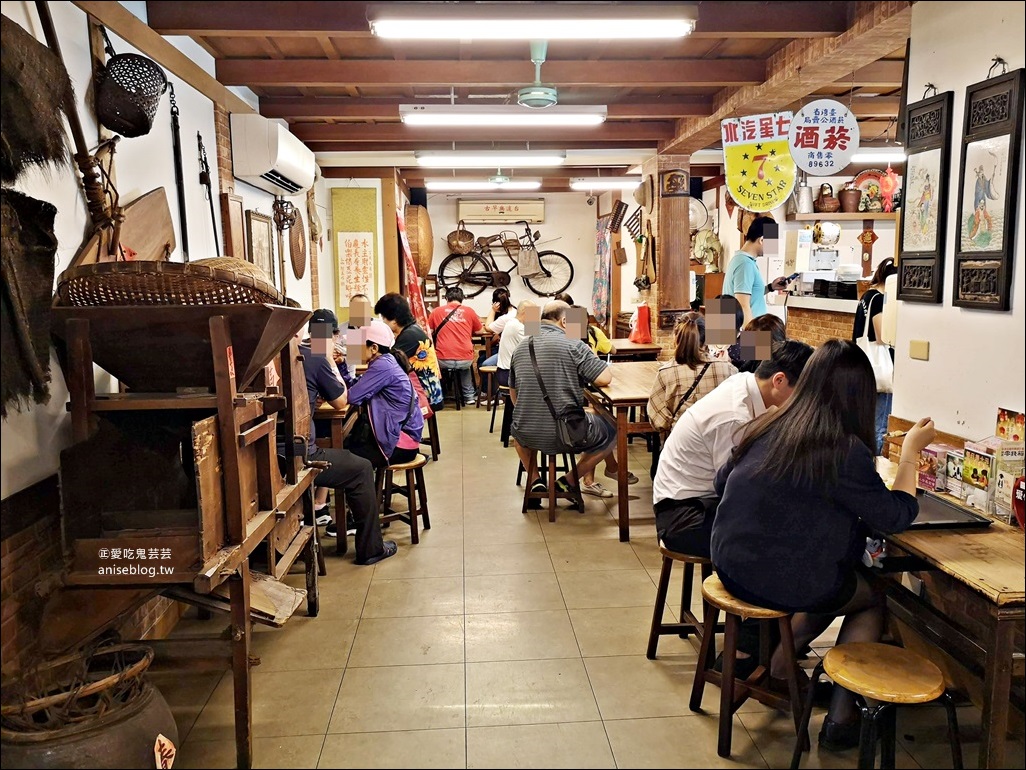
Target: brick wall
<point x="31" y="564"/>
<point x="815" y="327"/>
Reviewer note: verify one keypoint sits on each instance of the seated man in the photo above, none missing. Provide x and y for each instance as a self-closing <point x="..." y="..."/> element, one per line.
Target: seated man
<point x="513" y="333"/>
<point x="566" y="365"/>
<point x="353" y="474"/>
<point x="453" y="327"/>
<point x="701" y="441"/>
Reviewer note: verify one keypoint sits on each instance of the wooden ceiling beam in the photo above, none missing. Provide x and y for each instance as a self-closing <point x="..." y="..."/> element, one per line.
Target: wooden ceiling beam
<point x="509" y="73"/>
<point x="800" y="68"/>
<point x="862" y="107"/>
<point x="349" y="19"/>
<point x="883" y="74"/>
<point x="398" y="132"/>
<point x="340" y="108"/>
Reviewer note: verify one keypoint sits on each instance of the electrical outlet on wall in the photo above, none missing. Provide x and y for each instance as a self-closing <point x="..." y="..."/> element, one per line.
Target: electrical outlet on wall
<point x="919" y="350"/>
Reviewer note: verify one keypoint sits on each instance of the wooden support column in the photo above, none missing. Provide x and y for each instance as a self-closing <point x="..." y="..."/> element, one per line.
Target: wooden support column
<point x="671" y="225"/>
<point x="615" y="291"/>
<point x="390" y="230"/>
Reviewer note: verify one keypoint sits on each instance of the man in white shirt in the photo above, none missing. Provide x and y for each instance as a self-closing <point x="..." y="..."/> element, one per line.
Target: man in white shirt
<point x="512" y="335"/>
<point x="703" y="438"/>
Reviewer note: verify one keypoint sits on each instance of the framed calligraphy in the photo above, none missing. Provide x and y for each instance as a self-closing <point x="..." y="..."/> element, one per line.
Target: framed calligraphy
<point x="991" y="135"/>
<point x="924" y="215"/>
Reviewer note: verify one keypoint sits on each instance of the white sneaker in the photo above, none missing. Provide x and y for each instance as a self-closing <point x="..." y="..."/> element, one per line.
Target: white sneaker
<point x="322" y="516"/>
<point x="631" y="478"/>
<point x="595" y="489"/>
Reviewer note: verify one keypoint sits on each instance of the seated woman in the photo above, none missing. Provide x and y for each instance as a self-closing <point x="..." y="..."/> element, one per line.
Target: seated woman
<point x="599" y="343"/>
<point x="393" y="412"/>
<point x="501" y="313"/>
<point x="741" y="352"/>
<point x="798" y="494"/>
<point x="691" y="374"/>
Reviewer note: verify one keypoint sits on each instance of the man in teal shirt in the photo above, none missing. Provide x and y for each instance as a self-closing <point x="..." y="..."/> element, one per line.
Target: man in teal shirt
<point x="742" y="280"/>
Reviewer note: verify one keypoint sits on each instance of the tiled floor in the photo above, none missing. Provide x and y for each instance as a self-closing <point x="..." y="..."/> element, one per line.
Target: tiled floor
<point x="501" y="640"/>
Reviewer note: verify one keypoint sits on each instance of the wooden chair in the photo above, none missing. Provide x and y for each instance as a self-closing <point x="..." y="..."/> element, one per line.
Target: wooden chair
<point x="734" y="692"/>
<point x="415" y="490"/>
<point x="451" y="387"/>
<point x="888" y="676"/>
<point x="552" y="492"/>
<point x="429" y="436"/>
<point x="689" y="622"/>
<point x="488" y="372"/>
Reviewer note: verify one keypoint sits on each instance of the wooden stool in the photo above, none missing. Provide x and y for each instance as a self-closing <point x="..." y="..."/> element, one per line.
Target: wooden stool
<point x="489" y="375"/>
<point x="889" y="676"/>
<point x="552" y="493"/>
<point x="689" y="624"/>
<point x="502" y="393"/>
<point x="429" y="436"/>
<point x="416" y="494"/>
<point x="734" y="692"/>
<point x="507" y="415"/>
<point x="451" y="382"/>
<point x="562" y="466"/>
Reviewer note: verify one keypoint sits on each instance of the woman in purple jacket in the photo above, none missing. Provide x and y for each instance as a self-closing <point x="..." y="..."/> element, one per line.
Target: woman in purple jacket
<point x="393" y="411"/>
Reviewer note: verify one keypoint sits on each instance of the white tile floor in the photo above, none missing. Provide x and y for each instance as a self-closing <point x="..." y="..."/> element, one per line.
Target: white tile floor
<point x="501" y="640"/>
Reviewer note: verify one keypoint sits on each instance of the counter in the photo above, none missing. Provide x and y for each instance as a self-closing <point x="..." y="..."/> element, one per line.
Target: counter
<point x="814" y="320"/>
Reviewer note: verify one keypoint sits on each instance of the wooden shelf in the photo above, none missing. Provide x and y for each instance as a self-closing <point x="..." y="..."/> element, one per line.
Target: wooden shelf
<point x="842" y="216"/>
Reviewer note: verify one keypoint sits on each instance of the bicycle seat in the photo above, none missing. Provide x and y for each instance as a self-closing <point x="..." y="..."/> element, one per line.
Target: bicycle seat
<point x="488" y="240"/>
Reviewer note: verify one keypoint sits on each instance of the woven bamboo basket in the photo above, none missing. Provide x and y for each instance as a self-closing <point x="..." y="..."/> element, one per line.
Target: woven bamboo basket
<point x="460" y="240"/>
<point x="215" y="281"/>
<point x="421" y="238"/>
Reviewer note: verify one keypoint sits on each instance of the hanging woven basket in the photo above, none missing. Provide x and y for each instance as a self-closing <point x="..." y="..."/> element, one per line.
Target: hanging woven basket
<point x="128" y="91"/>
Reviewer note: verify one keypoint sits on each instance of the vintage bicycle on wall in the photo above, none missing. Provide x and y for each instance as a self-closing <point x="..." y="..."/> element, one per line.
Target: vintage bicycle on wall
<point x="473" y="268"/>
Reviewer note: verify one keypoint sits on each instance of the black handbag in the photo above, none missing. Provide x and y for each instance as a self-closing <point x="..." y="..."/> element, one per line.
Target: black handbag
<point x="572" y="424"/>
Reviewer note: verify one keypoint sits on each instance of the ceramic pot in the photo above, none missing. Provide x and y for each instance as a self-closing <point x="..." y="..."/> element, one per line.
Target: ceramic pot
<point x="850" y="198"/>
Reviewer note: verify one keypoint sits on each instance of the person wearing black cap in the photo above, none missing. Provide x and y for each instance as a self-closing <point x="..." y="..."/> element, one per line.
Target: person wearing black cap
<point x="353" y="474"/>
<point x="328" y="320"/>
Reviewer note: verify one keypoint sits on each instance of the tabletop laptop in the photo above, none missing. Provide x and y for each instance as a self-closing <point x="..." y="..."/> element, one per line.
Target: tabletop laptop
<point x="938" y="513"/>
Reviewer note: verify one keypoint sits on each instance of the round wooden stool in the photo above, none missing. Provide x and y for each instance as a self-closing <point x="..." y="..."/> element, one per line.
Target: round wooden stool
<point x="888" y="676"/>
<point x="429" y="436"/>
<point x="546" y="470"/>
<point x="489" y="374"/>
<point x="415" y="490"/>
<point x="690" y="624"/>
<point x="734" y="692"/>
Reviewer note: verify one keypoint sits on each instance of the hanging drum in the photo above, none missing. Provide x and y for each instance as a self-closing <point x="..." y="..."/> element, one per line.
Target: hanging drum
<point x="418" y="232"/>
<point x="297" y="246"/>
<point x="128" y="91"/>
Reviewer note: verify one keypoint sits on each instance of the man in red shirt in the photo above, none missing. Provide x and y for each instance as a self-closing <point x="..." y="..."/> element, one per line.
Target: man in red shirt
<point x="452" y="329"/>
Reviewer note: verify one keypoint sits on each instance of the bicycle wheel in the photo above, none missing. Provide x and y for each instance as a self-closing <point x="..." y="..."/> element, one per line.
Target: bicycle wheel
<point x="558" y="274"/>
<point x="468" y="271"/>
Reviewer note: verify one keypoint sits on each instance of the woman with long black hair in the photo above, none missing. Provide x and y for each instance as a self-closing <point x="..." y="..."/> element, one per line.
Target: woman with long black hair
<point x="798" y="494"/>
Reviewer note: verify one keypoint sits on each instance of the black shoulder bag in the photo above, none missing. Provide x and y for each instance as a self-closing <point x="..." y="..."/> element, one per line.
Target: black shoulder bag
<point x="434" y="334"/>
<point x="691" y="390"/>
<point x="571" y="422"/>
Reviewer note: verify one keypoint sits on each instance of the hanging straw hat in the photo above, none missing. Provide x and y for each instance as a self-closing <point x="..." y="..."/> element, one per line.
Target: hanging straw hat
<point x="643" y="193"/>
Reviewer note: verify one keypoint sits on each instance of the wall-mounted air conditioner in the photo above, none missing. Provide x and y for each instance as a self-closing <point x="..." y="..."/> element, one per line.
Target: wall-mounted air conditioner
<point x="267" y="155"/>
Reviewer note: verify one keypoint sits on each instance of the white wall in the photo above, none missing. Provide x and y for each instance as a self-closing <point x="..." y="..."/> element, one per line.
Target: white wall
<point x="976" y="356"/>
<point x="32" y="439"/>
<point x="569" y="228"/>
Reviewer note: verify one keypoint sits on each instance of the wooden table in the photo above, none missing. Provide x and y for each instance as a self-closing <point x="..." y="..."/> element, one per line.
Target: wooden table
<point x="986" y="568"/>
<point x="631" y="385"/>
<point x="625" y="350"/>
<point x="341" y="421"/>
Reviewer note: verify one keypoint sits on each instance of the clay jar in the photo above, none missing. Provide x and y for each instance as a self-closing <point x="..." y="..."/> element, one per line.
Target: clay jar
<point x="850" y="198"/>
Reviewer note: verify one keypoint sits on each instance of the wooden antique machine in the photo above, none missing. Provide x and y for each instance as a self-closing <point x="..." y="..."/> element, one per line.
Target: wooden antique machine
<point x="191" y="475"/>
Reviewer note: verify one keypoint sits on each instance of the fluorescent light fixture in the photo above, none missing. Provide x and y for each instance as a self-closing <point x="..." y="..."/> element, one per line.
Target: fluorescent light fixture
<point x="879" y="155"/>
<point x="586" y="184"/>
<point x="500" y="115"/>
<point x="521" y="21"/>
<point x="489" y="159"/>
<point x="450" y="185"/>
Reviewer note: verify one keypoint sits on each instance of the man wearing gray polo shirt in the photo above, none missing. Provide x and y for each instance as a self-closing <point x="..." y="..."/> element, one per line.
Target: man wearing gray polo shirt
<point x="566" y="365"/>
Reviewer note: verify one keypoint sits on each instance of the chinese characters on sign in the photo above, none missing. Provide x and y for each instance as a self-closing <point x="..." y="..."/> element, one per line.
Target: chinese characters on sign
<point x="356" y="263"/>
<point x="759" y="167"/>
<point x="824" y="137"/>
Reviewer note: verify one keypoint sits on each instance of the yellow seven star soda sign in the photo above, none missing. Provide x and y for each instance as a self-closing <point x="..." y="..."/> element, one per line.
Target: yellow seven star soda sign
<point x="759" y="168"/>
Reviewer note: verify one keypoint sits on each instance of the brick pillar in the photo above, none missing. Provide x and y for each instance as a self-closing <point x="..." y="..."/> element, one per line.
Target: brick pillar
<point x="671" y="226"/>
<point x="223" y="139"/>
